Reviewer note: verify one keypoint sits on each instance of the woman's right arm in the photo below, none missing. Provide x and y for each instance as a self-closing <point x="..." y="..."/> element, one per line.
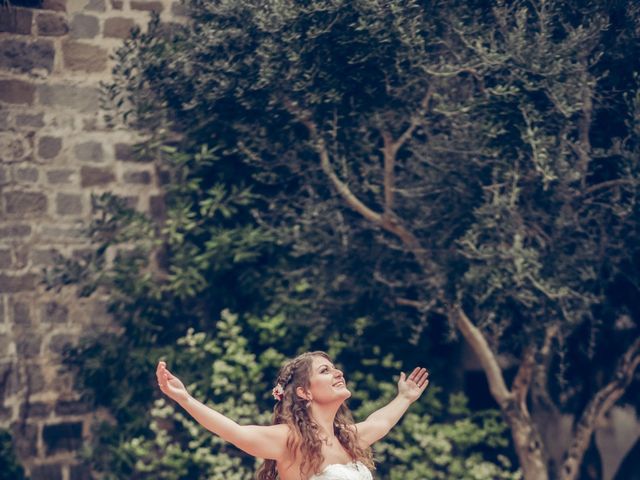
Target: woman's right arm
<point x="267" y="442"/>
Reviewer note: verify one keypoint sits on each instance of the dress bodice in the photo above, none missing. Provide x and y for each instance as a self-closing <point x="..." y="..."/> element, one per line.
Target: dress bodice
<point x="344" y="471"/>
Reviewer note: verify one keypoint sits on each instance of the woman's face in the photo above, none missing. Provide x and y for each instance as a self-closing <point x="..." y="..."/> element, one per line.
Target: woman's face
<point x="326" y="383"/>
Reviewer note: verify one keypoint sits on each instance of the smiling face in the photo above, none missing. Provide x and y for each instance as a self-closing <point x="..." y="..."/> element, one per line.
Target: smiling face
<point x="326" y="383"/>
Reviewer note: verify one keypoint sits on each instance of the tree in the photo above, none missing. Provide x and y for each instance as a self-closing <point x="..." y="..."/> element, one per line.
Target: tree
<point x="476" y="164"/>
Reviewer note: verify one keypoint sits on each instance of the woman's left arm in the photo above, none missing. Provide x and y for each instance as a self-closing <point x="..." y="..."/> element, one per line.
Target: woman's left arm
<point x="380" y="422"/>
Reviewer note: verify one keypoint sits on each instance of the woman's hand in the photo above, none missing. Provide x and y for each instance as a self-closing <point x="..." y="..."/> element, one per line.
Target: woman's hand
<point x="170" y="385"/>
<point x="412" y="387"/>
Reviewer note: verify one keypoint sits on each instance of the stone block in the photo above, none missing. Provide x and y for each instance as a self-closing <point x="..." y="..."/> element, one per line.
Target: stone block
<point x="27" y="120"/>
<point x="28" y="344"/>
<point x="60" y="342"/>
<point x="116" y="4"/>
<point x="84" y="26"/>
<point x="35" y="410"/>
<point x="123" y="151"/>
<point x="5" y="342"/>
<point x="90" y="124"/>
<point x="62" y="437"/>
<point x="17" y="92"/>
<point x="59" y="176"/>
<point x="6" y="414"/>
<point x="138" y="178"/>
<point x="118" y="27"/>
<point x="96" y="6"/>
<point x="4" y="177"/>
<point x="44" y="257"/>
<point x="82" y="99"/>
<point x="147" y="6"/>
<point x="55" y="5"/>
<point x="18" y="283"/>
<point x="4" y="120"/>
<point x="52" y="25"/>
<point x="89" y="151"/>
<point x="82" y="57"/>
<point x="12" y="147"/>
<point x="72" y="407"/>
<point x="54" y="313"/>
<point x="5" y="261"/>
<point x="25" y="203"/>
<point x="127" y="153"/>
<point x="93" y="176"/>
<point x="157" y="207"/>
<point x="15" y="20"/>
<point x="35" y="379"/>
<point x="179" y="9"/>
<point x="51" y="471"/>
<point x="69" y="204"/>
<point x="26" y="55"/>
<point x="74" y="233"/>
<point x="15" y="230"/>
<point x="25" y="441"/>
<point x="21" y="255"/>
<point x="164" y="176"/>
<point x="80" y="472"/>
<point x="21" y="314"/>
<point x="27" y="175"/>
<point x="49" y="147"/>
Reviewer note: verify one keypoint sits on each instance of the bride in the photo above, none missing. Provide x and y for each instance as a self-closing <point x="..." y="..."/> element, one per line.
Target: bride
<point x="313" y="435"/>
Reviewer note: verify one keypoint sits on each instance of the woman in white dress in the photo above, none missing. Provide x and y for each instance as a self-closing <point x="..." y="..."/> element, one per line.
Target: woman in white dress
<point x="313" y="435"/>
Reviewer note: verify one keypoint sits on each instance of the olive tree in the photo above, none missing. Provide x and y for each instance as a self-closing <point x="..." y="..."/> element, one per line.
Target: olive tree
<point x="461" y="162"/>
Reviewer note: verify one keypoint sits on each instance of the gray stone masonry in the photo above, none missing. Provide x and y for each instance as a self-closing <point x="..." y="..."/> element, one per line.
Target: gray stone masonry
<point x="55" y="152"/>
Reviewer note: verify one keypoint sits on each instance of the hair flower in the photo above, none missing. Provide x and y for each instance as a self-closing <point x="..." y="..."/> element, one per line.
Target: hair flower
<point x="277" y="392"/>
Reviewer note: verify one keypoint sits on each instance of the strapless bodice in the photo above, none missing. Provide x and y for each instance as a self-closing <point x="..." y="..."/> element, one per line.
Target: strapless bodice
<point x="344" y="471"/>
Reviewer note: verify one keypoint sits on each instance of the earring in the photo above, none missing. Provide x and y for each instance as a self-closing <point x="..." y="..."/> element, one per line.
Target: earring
<point x="308" y="404"/>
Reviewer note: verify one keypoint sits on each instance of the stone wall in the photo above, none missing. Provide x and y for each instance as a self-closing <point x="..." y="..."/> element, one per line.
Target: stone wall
<point x="55" y="151"/>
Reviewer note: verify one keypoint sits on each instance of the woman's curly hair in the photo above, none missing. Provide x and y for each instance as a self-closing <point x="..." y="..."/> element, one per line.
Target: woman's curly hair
<point x="304" y="441"/>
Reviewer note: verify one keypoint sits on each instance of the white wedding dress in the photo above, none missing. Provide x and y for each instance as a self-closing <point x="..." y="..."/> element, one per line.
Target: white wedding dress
<point x="344" y="471"/>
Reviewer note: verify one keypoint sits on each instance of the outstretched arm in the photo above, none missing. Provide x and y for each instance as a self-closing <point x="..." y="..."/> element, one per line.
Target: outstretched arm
<point x="260" y="441"/>
<point x="380" y="422"/>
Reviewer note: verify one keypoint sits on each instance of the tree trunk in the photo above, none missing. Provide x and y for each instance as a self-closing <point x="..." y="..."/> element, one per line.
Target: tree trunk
<point x="513" y="403"/>
<point x="527" y="441"/>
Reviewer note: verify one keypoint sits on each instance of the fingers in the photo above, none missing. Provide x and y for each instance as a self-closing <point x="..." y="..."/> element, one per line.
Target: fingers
<point x="419" y="376"/>
<point x="415" y="372"/>
<point x="162" y="375"/>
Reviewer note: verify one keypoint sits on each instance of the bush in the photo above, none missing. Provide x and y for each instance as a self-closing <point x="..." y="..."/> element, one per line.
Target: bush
<point x="10" y="469"/>
<point x="432" y="441"/>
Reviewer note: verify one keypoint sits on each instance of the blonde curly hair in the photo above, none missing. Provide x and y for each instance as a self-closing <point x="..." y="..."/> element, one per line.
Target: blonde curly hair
<point x="304" y="439"/>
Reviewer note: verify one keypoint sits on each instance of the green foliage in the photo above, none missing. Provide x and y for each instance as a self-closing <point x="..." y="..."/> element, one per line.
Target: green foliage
<point x="10" y="469"/>
<point x="512" y="182"/>
<point x="518" y="181"/>
<point x="236" y="383"/>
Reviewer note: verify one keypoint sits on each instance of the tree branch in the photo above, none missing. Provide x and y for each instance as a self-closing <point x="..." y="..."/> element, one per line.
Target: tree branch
<point x="389" y="221"/>
<point x="606" y="184"/>
<point x="597" y="407"/>
<point x="479" y="345"/>
<point x="522" y="380"/>
<point x="391" y="148"/>
<point x="353" y="201"/>
<point x="584" y="145"/>
<point x="415" y="121"/>
<point x="389" y="153"/>
<point x="540" y="393"/>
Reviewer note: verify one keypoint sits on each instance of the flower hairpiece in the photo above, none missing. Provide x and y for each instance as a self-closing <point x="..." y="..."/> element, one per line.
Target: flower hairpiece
<point x="277" y="392"/>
